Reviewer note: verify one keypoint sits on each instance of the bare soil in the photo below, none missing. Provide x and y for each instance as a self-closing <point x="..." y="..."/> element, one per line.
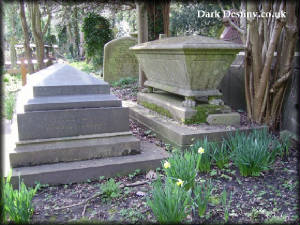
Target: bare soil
<point x="271" y="197"/>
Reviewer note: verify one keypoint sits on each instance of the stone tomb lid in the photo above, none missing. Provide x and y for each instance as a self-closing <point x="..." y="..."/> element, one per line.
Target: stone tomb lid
<point x="188" y="42"/>
<point x="63" y="79"/>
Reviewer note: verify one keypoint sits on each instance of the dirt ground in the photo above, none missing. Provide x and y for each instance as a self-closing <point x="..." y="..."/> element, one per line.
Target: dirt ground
<point x="272" y="197"/>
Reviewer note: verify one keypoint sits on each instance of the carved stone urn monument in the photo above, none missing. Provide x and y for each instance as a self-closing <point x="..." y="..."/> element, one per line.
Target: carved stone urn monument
<point x="185" y="69"/>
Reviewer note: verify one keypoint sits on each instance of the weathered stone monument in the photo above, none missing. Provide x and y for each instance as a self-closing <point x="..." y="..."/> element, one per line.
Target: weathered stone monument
<point x="189" y="67"/>
<point x="71" y="128"/>
<point x="183" y="101"/>
<point x="119" y="62"/>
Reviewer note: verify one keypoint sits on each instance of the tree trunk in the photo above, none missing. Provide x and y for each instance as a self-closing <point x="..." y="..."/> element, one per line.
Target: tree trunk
<point x="38" y="33"/>
<point x="26" y="38"/>
<point x="265" y="85"/>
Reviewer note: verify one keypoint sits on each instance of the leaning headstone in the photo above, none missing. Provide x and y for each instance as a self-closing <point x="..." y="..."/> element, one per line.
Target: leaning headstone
<point x="119" y="62"/>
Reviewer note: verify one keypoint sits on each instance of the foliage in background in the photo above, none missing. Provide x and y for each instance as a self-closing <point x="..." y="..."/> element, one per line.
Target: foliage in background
<point x="97" y="33"/>
<point x="170" y="203"/>
<point x="184" y="19"/>
<point x="124" y="82"/>
<point x="130" y="17"/>
<point x="17" y="203"/>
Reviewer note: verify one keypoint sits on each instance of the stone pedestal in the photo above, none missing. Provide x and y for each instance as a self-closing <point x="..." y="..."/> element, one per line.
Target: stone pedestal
<point x="171" y="106"/>
<point x="62" y="103"/>
<point x="64" y="117"/>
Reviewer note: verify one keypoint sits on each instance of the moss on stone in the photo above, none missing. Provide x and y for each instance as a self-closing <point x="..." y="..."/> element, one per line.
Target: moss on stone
<point x="203" y="110"/>
<point x="156" y="108"/>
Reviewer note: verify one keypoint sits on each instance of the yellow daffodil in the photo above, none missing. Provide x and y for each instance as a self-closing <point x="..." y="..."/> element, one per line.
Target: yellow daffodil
<point x="179" y="182"/>
<point x="201" y="150"/>
<point x="167" y="165"/>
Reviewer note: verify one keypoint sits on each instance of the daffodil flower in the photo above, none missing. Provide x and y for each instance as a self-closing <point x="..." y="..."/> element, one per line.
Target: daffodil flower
<point x="179" y="182"/>
<point x="201" y="150"/>
<point x="167" y="165"/>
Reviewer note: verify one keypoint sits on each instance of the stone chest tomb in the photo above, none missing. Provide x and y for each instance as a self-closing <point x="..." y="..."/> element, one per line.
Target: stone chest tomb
<point x="184" y="69"/>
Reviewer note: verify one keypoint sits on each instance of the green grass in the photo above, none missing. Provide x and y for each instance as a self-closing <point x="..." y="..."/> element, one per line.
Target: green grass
<point x="123" y="82"/>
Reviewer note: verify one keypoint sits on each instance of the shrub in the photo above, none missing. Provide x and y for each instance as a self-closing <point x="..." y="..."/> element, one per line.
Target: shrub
<point x="202" y="193"/>
<point x="252" y="153"/>
<point x="97" y="33"/>
<point x="181" y="166"/>
<point x="18" y="203"/>
<point x="110" y="189"/>
<point x="204" y="164"/>
<point x="170" y="203"/>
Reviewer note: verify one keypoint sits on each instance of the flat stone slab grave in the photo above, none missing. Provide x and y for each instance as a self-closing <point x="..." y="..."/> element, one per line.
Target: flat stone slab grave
<point x="69" y="128"/>
<point x="177" y="134"/>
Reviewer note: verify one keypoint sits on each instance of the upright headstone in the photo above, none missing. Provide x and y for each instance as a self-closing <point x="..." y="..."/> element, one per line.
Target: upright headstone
<point x="119" y="62"/>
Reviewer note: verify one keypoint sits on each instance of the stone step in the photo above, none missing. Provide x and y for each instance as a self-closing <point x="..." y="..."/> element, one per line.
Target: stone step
<point x="67" y="149"/>
<point x="178" y="134"/>
<point x="69" y="172"/>
<point x="72" y="122"/>
<point x="62" y="79"/>
<point x="71" y="102"/>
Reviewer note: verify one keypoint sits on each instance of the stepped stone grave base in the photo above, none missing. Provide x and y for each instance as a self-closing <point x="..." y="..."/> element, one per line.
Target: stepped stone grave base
<point x="79" y="171"/>
<point x="176" y="133"/>
<point x="70" y="129"/>
<point x="171" y="105"/>
<point x="84" y="147"/>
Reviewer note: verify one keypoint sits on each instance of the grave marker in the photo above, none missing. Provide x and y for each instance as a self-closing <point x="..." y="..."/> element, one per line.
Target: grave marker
<point x="119" y="62"/>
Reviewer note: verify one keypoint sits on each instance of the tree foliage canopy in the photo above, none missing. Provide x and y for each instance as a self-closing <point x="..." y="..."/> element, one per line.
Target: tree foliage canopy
<point x="184" y="19"/>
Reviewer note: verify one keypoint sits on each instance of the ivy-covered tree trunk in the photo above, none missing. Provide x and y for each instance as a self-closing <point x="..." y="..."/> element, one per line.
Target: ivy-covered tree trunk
<point x="27" y="48"/>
